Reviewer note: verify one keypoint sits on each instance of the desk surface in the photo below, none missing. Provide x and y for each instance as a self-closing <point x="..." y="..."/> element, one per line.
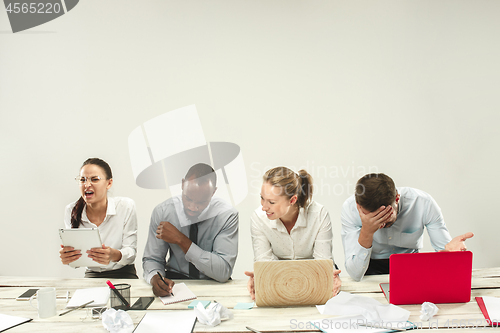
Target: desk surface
<point x="485" y="282"/>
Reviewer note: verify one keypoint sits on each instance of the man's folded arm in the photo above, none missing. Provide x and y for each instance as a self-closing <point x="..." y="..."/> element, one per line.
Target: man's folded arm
<point x="155" y="251"/>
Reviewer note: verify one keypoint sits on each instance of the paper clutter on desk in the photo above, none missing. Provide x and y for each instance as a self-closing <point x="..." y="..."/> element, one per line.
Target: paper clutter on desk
<point x="428" y="311"/>
<point x="117" y="321"/>
<point x="213" y="314"/>
<point x="346" y="304"/>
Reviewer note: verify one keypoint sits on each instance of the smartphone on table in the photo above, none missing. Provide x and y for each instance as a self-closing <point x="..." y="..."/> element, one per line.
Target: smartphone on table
<point x="142" y="303"/>
<point x="26" y="295"/>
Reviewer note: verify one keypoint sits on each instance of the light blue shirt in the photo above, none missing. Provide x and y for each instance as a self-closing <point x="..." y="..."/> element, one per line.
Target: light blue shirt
<point x="215" y="253"/>
<point x="417" y="210"/>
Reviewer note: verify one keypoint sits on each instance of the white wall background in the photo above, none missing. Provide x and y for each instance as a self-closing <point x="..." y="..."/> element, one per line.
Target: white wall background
<point x="409" y="88"/>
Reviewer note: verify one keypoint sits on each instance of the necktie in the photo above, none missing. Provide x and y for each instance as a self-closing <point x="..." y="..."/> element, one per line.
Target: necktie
<point x="194" y="273"/>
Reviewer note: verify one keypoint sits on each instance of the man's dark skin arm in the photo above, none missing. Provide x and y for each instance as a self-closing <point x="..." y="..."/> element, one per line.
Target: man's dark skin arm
<point x="170" y="234"/>
<point x="161" y="289"/>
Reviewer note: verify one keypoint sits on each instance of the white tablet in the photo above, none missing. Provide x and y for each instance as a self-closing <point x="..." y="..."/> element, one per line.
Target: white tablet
<point x="82" y="239"/>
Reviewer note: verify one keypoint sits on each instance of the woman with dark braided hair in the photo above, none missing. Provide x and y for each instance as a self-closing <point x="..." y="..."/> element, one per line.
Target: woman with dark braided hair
<point x="114" y="217"/>
<point x="289" y="224"/>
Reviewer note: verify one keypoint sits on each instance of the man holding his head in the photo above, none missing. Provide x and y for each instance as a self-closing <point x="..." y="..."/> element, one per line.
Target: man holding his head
<point x="197" y="230"/>
<point x="380" y="219"/>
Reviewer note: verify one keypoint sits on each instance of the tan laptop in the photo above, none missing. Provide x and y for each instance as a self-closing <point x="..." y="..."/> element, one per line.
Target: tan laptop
<point x="293" y="282"/>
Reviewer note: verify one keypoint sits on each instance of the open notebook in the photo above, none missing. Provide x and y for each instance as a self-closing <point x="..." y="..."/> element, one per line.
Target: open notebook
<point x="181" y="293"/>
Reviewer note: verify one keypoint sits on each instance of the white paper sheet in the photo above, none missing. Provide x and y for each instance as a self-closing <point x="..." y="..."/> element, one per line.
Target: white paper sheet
<point x="167" y="321"/>
<point x="349" y="324"/>
<point x="7" y="321"/>
<point x="492" y="305"/>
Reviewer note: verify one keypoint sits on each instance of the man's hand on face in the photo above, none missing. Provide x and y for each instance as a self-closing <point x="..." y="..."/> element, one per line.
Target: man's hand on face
<point x="378" y="219"/>
<point x="371" y="222"/>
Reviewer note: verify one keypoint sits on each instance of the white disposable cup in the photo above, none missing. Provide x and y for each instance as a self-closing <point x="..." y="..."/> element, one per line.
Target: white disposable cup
<point x="46" y="298"/>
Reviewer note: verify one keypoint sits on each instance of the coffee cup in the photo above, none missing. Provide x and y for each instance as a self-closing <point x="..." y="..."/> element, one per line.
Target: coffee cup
<point x="46" y="299"/>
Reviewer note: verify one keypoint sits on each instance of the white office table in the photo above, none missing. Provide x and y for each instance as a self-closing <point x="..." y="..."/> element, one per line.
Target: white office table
<point x="451" y="317"/>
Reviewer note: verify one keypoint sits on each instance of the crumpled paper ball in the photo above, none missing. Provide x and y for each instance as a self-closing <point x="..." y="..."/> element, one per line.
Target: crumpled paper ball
<point x="117" y="321"/>
<point x="213" y="314"/>
<point x="428" y="311"/>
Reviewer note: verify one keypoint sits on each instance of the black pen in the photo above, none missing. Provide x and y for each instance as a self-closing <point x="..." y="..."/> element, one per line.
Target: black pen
<point x="253" y="330"/>
<point x="124" y="301"/>
<point x="161" y="277"/>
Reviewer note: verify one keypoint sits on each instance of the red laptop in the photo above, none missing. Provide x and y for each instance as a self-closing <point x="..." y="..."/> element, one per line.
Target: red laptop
<point x="436" y="277"/>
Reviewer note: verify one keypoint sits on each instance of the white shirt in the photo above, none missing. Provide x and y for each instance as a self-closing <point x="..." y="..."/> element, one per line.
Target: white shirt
<point x="310" y="237"/>
<point x="417" y="210"/>
<point x="118" y="230"/>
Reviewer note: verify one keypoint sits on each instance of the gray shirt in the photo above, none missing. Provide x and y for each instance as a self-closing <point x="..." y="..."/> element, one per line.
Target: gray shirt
<point x="215" y="253"/>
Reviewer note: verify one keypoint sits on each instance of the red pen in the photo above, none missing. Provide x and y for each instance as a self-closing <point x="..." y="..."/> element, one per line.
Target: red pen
<point x="124" y="301"/>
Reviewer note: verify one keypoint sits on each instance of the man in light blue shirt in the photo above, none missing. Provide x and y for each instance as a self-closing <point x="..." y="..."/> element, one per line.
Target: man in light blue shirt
<point x="380" y="220"/>
<point x="199" y="232"/>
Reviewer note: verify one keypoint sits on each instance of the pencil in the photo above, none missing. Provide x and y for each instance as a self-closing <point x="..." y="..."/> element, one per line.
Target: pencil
<point x="78" y="307"/>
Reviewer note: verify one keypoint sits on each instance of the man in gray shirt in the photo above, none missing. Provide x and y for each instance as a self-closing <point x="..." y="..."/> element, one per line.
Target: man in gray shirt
<point x="198" y="231"/>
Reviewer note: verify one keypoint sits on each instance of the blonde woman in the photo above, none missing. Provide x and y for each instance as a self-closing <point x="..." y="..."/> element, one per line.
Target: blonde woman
<point x="289" y="224"/>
